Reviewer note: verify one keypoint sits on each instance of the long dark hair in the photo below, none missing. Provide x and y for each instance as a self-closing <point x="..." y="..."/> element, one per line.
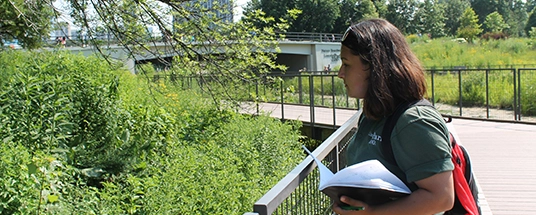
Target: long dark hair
<point x="396" y="75"/>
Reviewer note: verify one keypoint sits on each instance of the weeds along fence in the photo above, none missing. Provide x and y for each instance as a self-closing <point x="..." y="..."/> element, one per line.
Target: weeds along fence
<point x="503" y="94"/>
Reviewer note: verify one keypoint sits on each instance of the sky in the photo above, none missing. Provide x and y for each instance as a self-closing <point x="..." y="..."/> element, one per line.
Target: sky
<point x="61" y="4"/>
<point x="238" y="10"/>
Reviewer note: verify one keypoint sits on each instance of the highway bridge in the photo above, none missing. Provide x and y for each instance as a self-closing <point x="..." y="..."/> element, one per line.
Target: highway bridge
<point x="313" y="51"/>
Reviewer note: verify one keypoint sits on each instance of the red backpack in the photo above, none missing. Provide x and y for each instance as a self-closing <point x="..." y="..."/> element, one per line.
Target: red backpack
<point x="465" y="186"/>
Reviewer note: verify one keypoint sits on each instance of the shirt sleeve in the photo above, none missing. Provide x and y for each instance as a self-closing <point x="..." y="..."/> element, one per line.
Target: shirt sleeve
<point x="420" y="143"/>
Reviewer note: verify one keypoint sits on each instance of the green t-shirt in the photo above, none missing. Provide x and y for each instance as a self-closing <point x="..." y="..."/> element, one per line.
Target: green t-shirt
<point x="419" y="140"/>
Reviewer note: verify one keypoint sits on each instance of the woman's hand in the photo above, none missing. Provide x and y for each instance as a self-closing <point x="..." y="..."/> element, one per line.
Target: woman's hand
<point x="352" y="207"/>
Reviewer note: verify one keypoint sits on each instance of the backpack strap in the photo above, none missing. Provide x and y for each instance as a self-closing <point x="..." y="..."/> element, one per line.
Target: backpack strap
<point x="465" y="188"/>
<point x="390" y="122"/>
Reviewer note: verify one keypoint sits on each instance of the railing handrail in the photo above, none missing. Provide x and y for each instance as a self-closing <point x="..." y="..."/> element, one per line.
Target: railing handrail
<point x="273" y="198"/>
<point x="110" y="38"/>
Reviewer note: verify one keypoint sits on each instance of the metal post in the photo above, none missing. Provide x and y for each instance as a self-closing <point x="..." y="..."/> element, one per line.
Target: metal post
<point x="333" y="98"/>
<point x="257" y="95"/>
<point x="282" y="101"/>
<point x="516" y="108"/>
<point x="264" y="84"/>
<point x="300" y="89"/>
<point x="433" y="87"/>
<point x="336" y="157"/>
<point x="519" y="95"/>
<point x="487" y="93"/>
<point x="460" y="95"/>
<point x="189" y="82"/>
<point x="322" y="87"/>
<point x="312" y="105"/>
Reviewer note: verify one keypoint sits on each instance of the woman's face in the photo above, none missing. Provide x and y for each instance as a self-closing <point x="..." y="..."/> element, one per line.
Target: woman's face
<point x="354" y="73"/>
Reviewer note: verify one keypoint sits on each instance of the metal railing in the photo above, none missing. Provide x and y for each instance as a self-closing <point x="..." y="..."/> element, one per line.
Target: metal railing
<point x="495" y="94"/>
<point x="306" y="36"/>
<point x="485" y="93"/>
<point x="110" y="39"/>
<point x="297" y="192"/>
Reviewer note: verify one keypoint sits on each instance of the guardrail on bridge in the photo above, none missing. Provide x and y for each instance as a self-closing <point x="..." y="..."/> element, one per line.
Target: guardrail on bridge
<point x="297" y="192"/>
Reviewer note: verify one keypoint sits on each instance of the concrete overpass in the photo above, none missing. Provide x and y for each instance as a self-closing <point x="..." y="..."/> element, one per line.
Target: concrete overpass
<point x="311" y="54"/>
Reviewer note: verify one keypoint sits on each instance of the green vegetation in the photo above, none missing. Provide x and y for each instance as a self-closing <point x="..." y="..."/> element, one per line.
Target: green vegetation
<point x="447" y="53"/>
<point x="79" y="136"/>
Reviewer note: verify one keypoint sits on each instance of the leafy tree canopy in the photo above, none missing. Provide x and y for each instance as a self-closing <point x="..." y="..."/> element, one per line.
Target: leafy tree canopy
<point x="431" y="19"/>
<point x="442" y="16"/>
<point x="272" y="10"/>
<point x="366" y="9"/>
<point x="484" y="7"/>
<point x="495" y="23"/>
<point x="453" y="11"/>
<point x="402" y="14"/>
<point x="517" y="18"/>
<point x="531" y="22"/>
<point x="25" y="20"/>
<point x="352" y="11"/>
<point x="314" y="16"/>
<point x="469" y="27"/>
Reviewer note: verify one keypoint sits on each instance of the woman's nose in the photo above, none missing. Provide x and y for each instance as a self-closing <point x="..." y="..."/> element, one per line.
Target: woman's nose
<point x="340" y="74"/>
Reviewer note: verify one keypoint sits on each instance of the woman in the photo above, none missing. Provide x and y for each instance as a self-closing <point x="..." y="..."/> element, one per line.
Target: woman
<point x="379" y="67"/>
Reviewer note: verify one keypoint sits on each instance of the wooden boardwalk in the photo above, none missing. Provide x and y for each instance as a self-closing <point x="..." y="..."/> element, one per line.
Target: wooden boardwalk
<point x="503" y="155"/>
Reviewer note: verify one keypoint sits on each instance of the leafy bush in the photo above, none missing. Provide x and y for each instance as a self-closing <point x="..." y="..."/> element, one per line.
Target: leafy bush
<point x="473" y="88"/>
<point x="80" y="136"/>
<point x="322" y="85"/>
<point x="528" y="93"/>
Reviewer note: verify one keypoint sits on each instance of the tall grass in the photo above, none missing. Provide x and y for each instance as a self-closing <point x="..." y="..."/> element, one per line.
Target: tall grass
<point x="446" y="53"/>
<point x="496" y="88"/>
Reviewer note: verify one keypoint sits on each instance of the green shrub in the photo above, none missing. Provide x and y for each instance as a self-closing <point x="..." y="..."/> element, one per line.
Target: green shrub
<point x="528" y="93"/>
<point x="82" y="137"/>
<point x="56" y="101"/>
<point x="473" y="88"/>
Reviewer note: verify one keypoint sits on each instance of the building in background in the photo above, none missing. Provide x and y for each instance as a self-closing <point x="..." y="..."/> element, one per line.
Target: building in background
<point x="222" y="9"/>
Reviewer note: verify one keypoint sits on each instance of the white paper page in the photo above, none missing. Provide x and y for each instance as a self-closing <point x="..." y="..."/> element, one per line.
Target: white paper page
<point x="368" y="174"/>
<point x="325" y="173"/>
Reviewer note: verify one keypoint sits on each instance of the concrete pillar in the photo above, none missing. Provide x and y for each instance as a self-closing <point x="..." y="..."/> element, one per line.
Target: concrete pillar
<point x="130" y="64"/>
